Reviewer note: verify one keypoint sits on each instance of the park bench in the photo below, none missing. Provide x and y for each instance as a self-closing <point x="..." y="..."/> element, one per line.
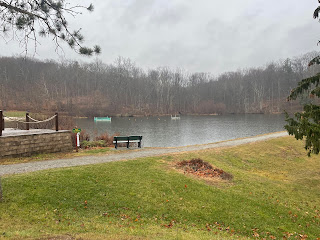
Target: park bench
<point x="127" y="140"/>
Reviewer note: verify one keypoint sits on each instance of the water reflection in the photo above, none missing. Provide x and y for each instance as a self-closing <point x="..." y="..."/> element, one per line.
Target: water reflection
<point x="189" y="130"/>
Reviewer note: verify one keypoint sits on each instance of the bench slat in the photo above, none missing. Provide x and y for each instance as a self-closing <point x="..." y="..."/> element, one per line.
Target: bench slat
<point x="120" y="138"/>
<point x="124" y="141"/>
<point x="127" y="139"/>
<point x="135" y="137"/>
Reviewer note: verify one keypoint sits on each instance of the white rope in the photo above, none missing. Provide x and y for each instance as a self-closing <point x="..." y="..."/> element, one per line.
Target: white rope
<point x="36" y="121"/>
<point x="11" y="119"/>
<point x="40" y="121"/>
<point x="33" y="119"/>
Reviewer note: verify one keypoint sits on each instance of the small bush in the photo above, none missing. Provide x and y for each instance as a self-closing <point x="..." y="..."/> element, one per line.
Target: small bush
<point x="107" y="138"/>
<point x="84" y="136"/>
<point x="90" y="144"/>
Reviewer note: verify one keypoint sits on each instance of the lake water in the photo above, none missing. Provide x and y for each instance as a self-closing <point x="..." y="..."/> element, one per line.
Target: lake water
<point x="189" y="130"/>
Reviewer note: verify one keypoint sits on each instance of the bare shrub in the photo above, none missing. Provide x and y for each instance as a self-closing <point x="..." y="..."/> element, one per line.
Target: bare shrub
<point x="107" y="138"/>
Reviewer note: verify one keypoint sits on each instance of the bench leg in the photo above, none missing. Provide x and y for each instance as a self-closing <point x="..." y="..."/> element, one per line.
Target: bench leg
<point x="116" y="144"/>
<point x="128" y="144"/>
<point x="139" y="144"/>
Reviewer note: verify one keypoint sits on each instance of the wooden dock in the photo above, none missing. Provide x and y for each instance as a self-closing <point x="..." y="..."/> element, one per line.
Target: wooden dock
<point x="10" y="132"/>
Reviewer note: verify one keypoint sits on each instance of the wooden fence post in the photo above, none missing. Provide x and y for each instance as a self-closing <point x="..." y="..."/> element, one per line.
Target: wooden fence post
<point x="1" y="122"/>
<point x="27" y="121"/>
<point x="57" y="122"/>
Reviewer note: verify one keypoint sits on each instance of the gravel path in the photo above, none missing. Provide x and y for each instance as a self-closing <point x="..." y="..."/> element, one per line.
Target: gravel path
<point x="140" y="153"/>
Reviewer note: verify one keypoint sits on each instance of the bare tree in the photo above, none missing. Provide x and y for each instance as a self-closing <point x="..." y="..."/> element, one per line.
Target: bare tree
<point x="124" y="88"/>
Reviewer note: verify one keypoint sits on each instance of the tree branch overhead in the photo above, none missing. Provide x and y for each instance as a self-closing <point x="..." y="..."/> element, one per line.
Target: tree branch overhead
<point x="44" y="18"/>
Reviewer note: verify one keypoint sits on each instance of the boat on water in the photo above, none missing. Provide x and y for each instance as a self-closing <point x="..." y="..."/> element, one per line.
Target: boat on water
<point x="102" y="119"/>
<point x="175" y="117"/>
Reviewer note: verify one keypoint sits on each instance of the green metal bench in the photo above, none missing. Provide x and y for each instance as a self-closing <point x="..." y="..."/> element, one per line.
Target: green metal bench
<point x="127" y="140"/>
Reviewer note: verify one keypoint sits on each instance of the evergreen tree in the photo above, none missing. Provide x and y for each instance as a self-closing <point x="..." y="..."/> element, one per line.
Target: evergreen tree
<point x="306" y="124"/>
<point x="28" y="19"/>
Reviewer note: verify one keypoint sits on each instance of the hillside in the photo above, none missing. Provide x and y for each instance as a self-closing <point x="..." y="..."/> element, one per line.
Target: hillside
<point x="122" y="88"/>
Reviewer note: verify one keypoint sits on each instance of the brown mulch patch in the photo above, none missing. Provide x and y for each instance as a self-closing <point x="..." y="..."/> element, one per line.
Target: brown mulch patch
<point x="201" y="168"/>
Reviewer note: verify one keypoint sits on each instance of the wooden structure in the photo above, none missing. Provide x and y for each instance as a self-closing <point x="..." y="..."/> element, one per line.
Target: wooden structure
<point x="28" y="122"/>
<point x="127" y="140"/>
<point x="18" y="142"/>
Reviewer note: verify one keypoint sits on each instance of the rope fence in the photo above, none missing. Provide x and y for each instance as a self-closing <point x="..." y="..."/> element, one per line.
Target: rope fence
<point x="29" y="120"/>
<point x="10" y="119"/>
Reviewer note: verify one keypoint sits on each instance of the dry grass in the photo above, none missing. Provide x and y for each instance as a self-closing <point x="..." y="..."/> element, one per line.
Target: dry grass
<point x="274" y="194"/>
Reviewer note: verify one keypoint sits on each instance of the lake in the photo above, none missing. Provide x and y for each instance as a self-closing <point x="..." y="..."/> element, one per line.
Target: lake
<point x="189" y="130"/>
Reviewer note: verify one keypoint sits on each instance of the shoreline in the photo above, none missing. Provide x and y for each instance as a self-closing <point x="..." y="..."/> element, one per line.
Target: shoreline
<point x="131" y="154"/>
<point x="126" y="115"/>
<point x="168" y="115"/>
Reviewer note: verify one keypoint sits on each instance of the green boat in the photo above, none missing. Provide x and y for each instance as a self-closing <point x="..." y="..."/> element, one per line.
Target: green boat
<point x="102" y="119"/>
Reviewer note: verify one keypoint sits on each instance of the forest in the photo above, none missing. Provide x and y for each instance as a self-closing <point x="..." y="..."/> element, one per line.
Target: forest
<point x="124" y="89"/>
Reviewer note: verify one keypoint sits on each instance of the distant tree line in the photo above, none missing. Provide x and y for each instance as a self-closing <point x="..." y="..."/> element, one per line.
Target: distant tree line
<point x="122" y="88"/>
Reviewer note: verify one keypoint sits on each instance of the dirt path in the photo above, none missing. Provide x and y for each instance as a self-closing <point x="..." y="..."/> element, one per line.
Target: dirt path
<point x="140" y="153"/>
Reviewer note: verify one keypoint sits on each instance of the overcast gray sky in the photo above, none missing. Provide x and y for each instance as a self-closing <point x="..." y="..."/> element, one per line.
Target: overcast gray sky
<point x="196" y="35"/>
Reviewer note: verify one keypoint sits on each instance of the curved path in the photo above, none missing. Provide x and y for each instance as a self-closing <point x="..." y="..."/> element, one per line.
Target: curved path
<point x="140" y="153"/>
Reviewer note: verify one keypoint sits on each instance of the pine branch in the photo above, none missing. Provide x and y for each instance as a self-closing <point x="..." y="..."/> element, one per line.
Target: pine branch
<point x="316" y="13"/>
<point x="22" y="15"/>
<point x="304" y="85"/>
<point x="16" y="9"/>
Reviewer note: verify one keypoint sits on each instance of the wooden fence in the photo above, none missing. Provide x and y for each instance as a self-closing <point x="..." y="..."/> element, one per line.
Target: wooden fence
<point x="29" y="121"/>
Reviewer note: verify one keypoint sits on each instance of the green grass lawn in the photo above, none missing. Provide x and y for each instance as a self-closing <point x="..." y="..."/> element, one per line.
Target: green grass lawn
<point x="275" y="193"/>
<point x="15" y="113"/>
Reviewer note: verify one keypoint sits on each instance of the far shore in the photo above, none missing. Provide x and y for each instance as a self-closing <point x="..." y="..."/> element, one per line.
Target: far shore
<point x="14" y="114"/>
<point x="183" y="114"/>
